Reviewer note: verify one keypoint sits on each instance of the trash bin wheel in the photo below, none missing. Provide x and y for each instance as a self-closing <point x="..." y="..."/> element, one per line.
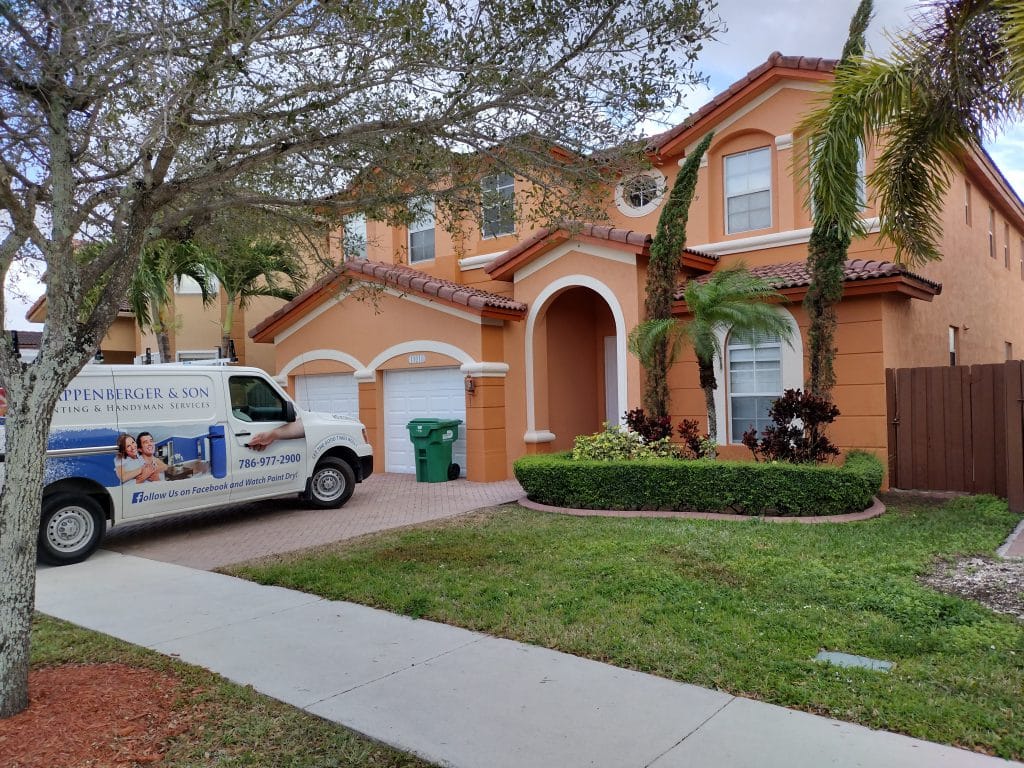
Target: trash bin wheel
<point x="454" y="470"/>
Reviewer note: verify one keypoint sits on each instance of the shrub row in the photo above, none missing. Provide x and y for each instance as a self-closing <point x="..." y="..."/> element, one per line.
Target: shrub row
<point x="747" y="488"/>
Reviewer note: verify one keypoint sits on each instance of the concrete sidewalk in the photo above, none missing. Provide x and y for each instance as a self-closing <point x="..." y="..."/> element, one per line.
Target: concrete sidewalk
<point x="454" y="697"/>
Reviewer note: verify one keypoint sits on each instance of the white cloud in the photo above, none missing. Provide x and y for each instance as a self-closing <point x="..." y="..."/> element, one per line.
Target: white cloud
<point x="798" y="28"/>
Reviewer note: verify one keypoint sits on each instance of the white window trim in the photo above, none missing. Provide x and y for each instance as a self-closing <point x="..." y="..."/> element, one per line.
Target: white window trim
<point x="622" y="201"/>
<point x="348" y="236"/>
<point x="425" y="222"/>
<point x="725" y="190"/>
<point x="483" y="207"/>
<point x="792" y="373"/>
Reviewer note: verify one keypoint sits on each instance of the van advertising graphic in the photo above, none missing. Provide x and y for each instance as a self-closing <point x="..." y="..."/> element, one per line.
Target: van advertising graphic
<point x="134" y="443"/>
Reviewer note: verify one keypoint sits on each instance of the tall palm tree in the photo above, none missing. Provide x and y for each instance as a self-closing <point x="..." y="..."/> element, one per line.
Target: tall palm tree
<point x="955" y="79"/>
<point x="247" y="268"/>
<point x="730" y="299"/>
<point x="151" y="293"/>
<point x="829" y="242"/>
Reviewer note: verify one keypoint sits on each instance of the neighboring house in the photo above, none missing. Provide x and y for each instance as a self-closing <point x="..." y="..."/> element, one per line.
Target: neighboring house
<point x="195" y="335"/>
<point x="524" y="336"/>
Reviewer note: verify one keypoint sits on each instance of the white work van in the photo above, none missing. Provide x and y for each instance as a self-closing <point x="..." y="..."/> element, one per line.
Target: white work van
<point x="134" y="443"/>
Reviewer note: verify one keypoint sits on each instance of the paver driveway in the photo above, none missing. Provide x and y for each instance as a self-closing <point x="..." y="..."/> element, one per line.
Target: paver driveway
<point x="219" y="537"/>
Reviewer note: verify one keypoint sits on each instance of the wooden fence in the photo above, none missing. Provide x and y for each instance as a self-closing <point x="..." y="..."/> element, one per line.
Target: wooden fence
<point x="958" y="429"/>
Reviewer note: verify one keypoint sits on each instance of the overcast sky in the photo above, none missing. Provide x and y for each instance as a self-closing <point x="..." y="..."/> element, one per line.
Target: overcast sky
<point x="755" y="29"/>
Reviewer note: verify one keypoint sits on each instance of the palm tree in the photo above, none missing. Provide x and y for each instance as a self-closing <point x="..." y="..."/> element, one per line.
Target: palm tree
<point x="829" y="242"/>
<point x="247" y="268"/>
<point x="958" y="77"/>
<point x="730" y="299"/>
<point x="150" y="294"/>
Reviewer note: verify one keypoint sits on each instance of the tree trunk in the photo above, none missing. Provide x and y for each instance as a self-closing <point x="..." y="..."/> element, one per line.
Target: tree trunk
<point x="709" y="403"/>
<point x="709" y="385"/>
<point x="27" y="427"/>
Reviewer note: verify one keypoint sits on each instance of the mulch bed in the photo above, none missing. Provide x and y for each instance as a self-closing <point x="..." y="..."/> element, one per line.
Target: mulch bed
<point x="998" y="584"/>
<point x="88" y="716"/>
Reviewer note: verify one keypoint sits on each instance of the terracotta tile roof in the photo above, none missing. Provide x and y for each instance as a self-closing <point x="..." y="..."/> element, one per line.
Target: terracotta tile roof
<point x="776" y="59"/>
<point x="569" y="229"/>
<point x="401" y="276"/>
<point x="398" y="276"/>
<point x="41" y="302"/>
<point x="28" y="339"/>
<point x="794" y="274"/>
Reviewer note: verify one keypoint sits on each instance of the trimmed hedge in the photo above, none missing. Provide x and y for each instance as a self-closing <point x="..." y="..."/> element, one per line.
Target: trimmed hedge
<point x="741" y="487"/>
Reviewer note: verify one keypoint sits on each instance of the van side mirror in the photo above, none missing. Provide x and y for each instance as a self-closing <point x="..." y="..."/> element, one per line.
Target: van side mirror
<point x="289" y="411"/>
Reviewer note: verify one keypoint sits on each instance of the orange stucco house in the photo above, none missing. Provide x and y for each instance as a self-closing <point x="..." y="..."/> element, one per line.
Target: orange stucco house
<point x="522" y="334"/>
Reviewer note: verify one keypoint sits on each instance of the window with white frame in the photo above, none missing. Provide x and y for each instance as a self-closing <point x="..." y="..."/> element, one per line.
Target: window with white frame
<point x="748" y="191"/>
<point x="754" y="371"/>
<point x="498" y="205"/>
<point x="641" y="194"/>
<point x="187" y="286"/>
<point x="1006" y="245"/>
<point x="353" y="243"/>
<point x="991" y="232"/>
<point x="421" y="231"/>
<point x="862" y="175"/>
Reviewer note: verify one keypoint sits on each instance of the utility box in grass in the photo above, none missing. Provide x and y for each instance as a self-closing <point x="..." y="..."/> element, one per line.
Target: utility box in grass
<point x="432" y="441"/>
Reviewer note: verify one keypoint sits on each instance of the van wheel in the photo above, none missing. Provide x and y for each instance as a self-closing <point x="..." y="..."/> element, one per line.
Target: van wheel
<point x="70" y="530"/>
<point x="332" y="483"/>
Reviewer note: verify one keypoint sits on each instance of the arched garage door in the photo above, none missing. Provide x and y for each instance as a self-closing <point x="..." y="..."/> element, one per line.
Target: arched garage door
<point x="438" y="393"/>
<point x="328" y="393"/>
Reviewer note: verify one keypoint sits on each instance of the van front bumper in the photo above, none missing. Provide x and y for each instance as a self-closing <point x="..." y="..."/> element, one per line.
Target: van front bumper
<point x="365" y="467"/>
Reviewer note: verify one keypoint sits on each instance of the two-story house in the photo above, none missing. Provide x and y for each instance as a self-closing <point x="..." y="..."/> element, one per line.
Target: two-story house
<point x="522" y="334"/>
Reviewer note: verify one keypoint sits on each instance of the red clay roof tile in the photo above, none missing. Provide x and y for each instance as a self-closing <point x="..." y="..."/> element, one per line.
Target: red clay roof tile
<point x="577" y="228"/>
<point x="794" y="274"/>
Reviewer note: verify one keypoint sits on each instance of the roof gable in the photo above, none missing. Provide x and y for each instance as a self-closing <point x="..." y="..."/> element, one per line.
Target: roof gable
<point x="398" y="276"/>
<point x="776" y="68"/>
<point x="628" y="240"/>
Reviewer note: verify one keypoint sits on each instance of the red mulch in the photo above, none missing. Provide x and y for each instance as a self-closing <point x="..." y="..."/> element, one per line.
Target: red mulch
<point x="88" y="716"/>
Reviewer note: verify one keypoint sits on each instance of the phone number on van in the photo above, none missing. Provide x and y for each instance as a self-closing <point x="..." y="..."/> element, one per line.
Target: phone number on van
<point x="269" y="461"/>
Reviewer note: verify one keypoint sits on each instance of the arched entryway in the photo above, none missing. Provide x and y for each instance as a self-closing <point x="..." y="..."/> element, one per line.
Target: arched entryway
<point x="577" y="351"/>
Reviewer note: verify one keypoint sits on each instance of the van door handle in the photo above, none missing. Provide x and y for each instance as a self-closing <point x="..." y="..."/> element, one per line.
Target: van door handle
<point x="242" y="434"/>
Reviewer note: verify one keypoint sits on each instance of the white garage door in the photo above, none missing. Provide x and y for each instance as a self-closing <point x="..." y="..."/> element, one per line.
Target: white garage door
<point x="437" y="393"/>
<point x="328" y="393"/>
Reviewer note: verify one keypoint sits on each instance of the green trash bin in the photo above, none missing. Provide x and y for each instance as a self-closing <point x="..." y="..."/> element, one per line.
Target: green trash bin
<point x="432" y="441"/>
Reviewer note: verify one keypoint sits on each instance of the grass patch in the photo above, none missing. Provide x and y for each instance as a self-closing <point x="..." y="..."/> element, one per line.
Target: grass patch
<point x="237" y="727"/>
<point x="742" y="607"/>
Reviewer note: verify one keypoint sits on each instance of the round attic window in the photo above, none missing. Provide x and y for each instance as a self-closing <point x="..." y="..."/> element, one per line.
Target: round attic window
<point x="640" y="195"/>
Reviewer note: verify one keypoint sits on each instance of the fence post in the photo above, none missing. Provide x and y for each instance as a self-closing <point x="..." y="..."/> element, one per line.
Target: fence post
<point x="1013" y="392"/>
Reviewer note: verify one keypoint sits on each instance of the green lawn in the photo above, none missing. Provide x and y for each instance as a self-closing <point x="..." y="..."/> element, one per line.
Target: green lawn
<point x="237" y="726"/>
<point x="742" y="607"/>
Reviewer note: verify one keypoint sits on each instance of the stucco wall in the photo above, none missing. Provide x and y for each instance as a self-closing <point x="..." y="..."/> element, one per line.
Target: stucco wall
<point x="981" y="296"/>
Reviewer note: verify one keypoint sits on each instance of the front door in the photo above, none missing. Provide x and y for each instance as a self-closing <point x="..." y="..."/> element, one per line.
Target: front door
<point x="280" y="468"/>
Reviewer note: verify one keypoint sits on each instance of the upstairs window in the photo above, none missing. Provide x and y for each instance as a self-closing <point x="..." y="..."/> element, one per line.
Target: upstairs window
<point x="498" y="205"/>
<point x="991" y="233"/>
<point x="954" y="344"/>
<point x="754" y="371"/>
<point x="1006" y="245"/>
<point x="353" y="244"/>
<point x="967" y="202"/>
<point x="421" y="231"/>
<point x="748" y="191"/>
